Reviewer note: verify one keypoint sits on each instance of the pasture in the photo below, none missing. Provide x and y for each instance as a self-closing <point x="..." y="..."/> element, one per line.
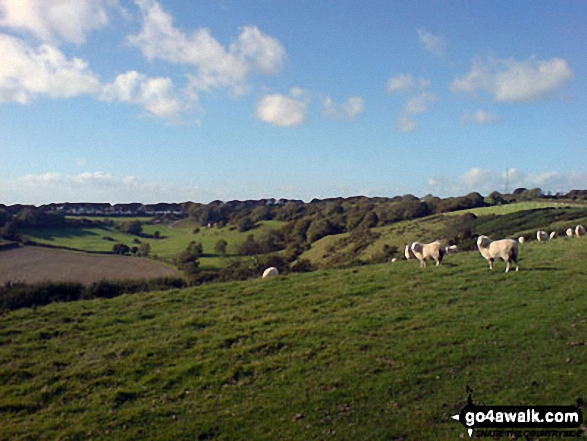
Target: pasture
<point x="174" y="238"/>
<point x="36" y="264"/>
<point x="376" y="352"/>
<point x="524" y="221"/>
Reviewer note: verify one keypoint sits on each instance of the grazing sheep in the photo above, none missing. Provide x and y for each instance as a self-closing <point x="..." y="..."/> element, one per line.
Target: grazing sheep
<point x="451" y="249"/>
<point x="270" y="272"/>
<point x="408" y="253"/>
<point x="394" y="260"/>
<point x="552" y="235"/>
<point x="506" y="249"/>
<point x="570" y="232"/>
<point x="541" y="236"/>
<point x="521" y="239"/>
<point x="579" y="230"/>
<point x="434" y="250"/>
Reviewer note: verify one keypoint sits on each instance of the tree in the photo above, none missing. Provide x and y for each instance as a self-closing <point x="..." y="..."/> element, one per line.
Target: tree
<point x="133" y="227"/>
<point x="220" y="247"/>
<point x="144" y="249"/>
<point x="121" y="249"/>
<point x="249" y="247"/>
<point x="245" y="224"/>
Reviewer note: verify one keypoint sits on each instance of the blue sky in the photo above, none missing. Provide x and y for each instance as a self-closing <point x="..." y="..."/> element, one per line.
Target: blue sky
<point x="161" y="100"/>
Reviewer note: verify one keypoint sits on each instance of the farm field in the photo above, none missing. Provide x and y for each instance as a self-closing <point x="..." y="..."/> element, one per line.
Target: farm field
<point x="375" y="352"/>
<point x="36" y="264"/>
<point x="174" y="239"/>
<point x="518" y="206"/>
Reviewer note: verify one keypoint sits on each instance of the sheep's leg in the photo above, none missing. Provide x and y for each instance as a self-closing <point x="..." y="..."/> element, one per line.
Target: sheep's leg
<point x="422" y="263"/>
<point x="507" y="266"/>
<point x="438" y="263"/>
<point x="490" y="264"/>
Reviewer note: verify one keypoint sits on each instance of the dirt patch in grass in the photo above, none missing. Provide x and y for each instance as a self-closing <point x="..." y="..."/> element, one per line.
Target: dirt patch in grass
<point x="33" y="264"/>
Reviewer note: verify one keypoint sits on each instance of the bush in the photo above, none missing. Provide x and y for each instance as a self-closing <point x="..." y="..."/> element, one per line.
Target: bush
<point x="21" y="295"/>
<point x="303" y="266"/>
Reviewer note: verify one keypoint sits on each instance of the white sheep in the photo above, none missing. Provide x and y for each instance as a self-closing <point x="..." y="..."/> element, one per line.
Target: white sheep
<point x="506" y="249"/>
<point x="552" y="235"/>
<point x="541" y="236"/>
<point x="270" y="272"/>
<point x="434" y="250"/>
<point x="570" y="232"/>
<point x="408" y="252"/>
<point x="521" y="239"/>
<point x="579" y="230"/>
<point x="451" y="249"/>
<point x="394" y="260"/>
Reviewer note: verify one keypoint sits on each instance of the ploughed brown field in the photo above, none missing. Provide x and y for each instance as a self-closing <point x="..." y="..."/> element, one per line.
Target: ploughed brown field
<point x="34" y="264"/>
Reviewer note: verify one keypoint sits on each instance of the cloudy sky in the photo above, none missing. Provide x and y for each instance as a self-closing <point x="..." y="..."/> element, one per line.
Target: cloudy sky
<point x="176" y="100"/>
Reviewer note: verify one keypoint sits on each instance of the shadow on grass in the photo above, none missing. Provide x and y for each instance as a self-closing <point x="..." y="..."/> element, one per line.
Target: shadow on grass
<point x="59" y="233"/>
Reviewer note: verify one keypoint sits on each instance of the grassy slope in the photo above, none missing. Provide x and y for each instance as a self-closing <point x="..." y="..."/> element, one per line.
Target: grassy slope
<point x="377" y="352"/>
<point x="518" y="206"/>
<point x="174" y="239"/>
<point x="523" y="219"/>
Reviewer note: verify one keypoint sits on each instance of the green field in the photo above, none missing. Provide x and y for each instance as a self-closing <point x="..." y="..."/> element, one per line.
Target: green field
<point x="518" y="206"/>
<point x="370" y="353"/>
<point x="174" y="238"/>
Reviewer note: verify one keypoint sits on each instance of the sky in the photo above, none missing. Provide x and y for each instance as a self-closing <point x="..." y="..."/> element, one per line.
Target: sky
<point x="187" y="100"/>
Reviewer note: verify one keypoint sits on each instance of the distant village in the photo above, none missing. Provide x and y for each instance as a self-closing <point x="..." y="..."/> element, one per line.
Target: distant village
<point x="123" y="210"/>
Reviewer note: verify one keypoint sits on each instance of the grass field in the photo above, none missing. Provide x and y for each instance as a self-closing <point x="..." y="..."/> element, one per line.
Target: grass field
<point x="370" y="353"/>
<point x="174" y="239"/>
<point x="518" y="206"/>
<point x="34" y="264"/>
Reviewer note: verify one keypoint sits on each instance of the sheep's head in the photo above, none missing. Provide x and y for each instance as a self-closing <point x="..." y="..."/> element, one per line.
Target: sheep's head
<point x="417" y="247"/>
<point x="483" y="242"/>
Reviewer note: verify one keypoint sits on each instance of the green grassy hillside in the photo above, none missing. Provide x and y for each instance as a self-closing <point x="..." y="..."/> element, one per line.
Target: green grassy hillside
<point x="376" y="352"/>
<point x="525" y="220"/>
<point x="174" y="238"/>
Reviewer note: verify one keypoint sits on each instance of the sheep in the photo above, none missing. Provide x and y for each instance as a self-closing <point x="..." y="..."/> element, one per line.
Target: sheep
<point x="394" y="260"/>
<point x="408" y="253"/>
<point x="552" y="235"/>
<point x="570" y="232"/>
<point x="521" y="239"/>
<point x="434" y="250"/>
<point x="270" y="272"/>
<point x="579" y="230"/>
<point x="451" y="249"/>
<point x="541" y="236"/>
<point x="506" y="249"/>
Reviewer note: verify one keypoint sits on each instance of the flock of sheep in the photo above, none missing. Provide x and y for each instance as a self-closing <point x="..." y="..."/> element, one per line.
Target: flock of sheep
<point x="505" y="249"/>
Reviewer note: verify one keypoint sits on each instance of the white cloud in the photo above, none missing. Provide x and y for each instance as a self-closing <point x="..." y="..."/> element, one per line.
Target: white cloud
<point x="26" y="72"/>
<point x="53" y="20"/>
<point x="405" y="124"/>
<point x="418" y="99"/>
<point x="480" y="117"/>
<point x="95" y="186"/>
<point x="348" y="110"/>
<point x="29" y="72"/>
<point x="156" y="95"/>
<point x="420" y="103"/>
<point x="434" y="44"/>
<point x="486" y="181"/>
<point x="281" y="110"/>
<point x="511" y="80"/>
<point x="406" y="83"/>
<point x="216" y="66"/>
